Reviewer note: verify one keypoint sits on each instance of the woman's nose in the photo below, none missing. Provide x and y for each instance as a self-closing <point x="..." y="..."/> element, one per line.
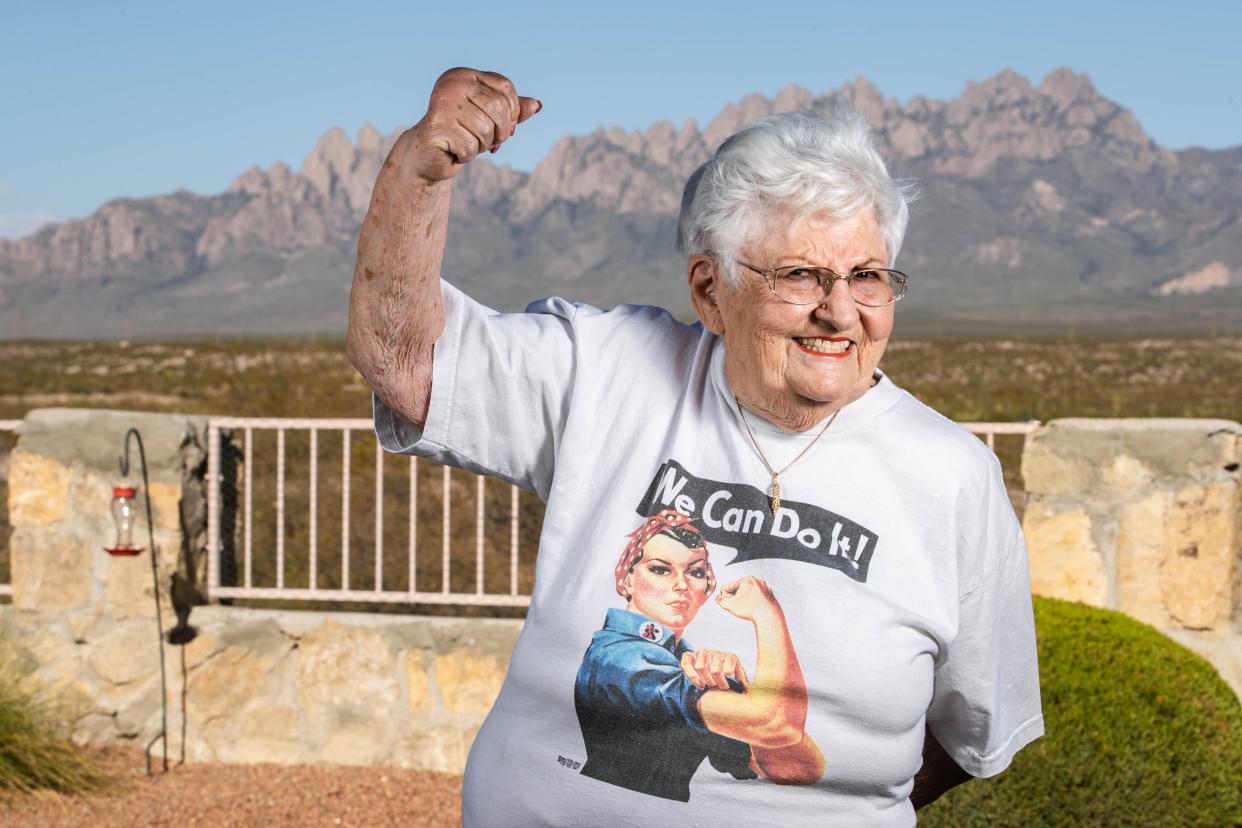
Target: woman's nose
<point x="680" y="584"/>
<point x="838" y="307"/>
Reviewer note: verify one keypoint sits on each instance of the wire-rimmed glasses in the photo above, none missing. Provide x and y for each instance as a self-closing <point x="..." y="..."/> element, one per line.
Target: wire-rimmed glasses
<point x="873" y="287"/>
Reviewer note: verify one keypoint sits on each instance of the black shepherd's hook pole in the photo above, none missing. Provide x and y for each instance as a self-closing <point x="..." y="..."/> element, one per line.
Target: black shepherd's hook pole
<point x="155" y="582"/>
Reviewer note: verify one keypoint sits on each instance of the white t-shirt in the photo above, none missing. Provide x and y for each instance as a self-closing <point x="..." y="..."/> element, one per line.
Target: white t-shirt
<point x="896" y="559"/>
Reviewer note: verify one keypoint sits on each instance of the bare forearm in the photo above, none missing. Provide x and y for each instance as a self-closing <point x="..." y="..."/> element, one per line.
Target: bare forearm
<point x="938" y="774"/>
<point x="395" y="311"/>
<point x="771" y="712"/>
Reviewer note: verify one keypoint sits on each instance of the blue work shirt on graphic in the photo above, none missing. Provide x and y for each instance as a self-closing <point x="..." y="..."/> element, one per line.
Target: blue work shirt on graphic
<point x="639" y="713"/>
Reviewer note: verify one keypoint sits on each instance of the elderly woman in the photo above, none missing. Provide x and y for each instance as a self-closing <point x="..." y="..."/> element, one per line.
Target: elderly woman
<point x="652" y="708"/>
<point x="884" y="527"/>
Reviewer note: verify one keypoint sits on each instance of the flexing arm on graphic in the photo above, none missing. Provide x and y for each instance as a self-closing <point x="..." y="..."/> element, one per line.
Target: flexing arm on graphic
<point x="770" y="712"/>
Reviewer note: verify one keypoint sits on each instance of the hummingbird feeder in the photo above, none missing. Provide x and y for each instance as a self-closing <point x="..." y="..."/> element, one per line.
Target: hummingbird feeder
<point x="123" y="514"/>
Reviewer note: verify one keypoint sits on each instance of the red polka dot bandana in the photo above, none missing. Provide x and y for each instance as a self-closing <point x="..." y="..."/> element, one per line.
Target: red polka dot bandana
<point x="652" y="526"/>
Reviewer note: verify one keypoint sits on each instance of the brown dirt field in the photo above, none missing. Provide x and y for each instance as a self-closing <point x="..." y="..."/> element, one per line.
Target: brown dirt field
<point x="271" y="796"/>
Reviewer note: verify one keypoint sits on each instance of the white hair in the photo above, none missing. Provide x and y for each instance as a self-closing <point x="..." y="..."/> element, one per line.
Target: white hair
<point x="797" y="160"/>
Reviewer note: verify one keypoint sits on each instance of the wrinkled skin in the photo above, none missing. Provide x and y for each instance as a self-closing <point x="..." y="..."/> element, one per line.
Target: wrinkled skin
<point x="395" y="311"/>
<point x="766" y="368"/>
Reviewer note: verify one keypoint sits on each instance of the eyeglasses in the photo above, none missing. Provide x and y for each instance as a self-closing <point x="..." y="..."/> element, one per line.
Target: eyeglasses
<point x="874" y="287"/>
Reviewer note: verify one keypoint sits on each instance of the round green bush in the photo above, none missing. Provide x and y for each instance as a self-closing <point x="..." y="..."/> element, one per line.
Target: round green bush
<point x="1139" y="731"/>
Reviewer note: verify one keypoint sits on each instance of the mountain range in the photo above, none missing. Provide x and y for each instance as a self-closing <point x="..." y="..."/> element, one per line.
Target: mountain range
<point x="1040" y="207"/>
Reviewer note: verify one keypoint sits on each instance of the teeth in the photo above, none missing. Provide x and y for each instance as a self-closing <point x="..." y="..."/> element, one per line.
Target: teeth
<point x="822" y="346"/>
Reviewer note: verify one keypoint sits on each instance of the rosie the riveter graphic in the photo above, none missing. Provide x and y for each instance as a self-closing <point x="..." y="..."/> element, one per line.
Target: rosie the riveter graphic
<point x="652" y="708"/>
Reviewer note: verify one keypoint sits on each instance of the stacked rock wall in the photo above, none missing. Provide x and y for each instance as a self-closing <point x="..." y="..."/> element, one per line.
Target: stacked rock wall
<point x="1145" y="517"/>
<point x="260" y="685"/>
<point x="287" y="687"/>
<point x="85" y="618"/>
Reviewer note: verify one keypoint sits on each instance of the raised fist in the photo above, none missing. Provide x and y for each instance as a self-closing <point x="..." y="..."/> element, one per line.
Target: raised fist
<point x="470" y="112"/>
<point x="748" y="598"/>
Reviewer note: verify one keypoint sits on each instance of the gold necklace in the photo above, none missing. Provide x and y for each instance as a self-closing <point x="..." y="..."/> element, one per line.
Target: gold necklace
<point x="776" y="482"/>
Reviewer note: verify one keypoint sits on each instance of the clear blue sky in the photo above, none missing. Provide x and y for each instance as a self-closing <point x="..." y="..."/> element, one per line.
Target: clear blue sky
<point x="107" y="99"/>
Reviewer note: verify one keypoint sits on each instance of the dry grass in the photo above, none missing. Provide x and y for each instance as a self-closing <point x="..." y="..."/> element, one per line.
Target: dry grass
<point x="1004" y="380"/>
<point x="35" y="753"/>
<point x="966" y="380"/>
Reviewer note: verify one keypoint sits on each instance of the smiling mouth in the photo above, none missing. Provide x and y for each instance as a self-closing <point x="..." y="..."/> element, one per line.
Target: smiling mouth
<point x="824" y="346"/>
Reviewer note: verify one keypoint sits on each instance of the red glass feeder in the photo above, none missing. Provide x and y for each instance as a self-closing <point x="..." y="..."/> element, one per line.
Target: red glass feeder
<point x="123" y="505"/>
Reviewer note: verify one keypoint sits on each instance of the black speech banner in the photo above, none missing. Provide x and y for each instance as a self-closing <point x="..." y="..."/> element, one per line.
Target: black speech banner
<point x="739" y="516"/>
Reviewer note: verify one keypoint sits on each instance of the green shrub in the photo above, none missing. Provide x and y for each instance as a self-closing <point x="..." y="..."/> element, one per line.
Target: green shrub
<point x="1139" y="731"/>
<point x="34" y="754"/>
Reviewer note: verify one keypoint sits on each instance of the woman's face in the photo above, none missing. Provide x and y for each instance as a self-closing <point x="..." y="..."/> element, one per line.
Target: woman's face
<point x="768" y="362"/>
<point x="669" y="583"/>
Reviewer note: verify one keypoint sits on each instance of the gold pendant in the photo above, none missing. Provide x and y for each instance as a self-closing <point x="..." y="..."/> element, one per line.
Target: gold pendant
<point x="776" y="494"/>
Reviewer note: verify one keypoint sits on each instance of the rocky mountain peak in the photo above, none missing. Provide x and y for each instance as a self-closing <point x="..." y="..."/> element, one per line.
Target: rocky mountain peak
<point x="862" y="96"/>
<point x="733" y="117"/>
<point x="792" y="98"/>
<point x="1066" y="87"/>
<point x="252" y="182"/>
<point x="1005" y="117"/>
<point x="1028" y="181"/>
<point x="369" y="138"/>
<point x="344" y="173"/>
<point x="329" y="161"/>
<point x="1006" y="90"/>
<point x="255" y="182"/>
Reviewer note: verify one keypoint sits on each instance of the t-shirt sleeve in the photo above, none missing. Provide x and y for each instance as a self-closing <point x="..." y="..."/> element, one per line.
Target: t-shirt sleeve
<point x="651" y="685"/>
<point x="985" y="704"/>
<point x="656" y="689"/>
<point x="500" y="389"/>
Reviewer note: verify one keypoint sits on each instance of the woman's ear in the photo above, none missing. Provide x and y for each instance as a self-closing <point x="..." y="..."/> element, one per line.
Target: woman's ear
<point x="703" y="274"/>
<point x="628" y="583"/>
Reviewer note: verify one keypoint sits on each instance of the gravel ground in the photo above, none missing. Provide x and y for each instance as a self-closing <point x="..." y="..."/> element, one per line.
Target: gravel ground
<point x="271" y="796"/>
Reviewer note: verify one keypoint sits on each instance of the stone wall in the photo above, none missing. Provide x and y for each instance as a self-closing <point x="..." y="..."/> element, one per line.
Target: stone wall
<point x="273" y="686"/>
<point x="260" y="685"/>
<point x="1145" y="517"/>
<point x="61" y="474"/>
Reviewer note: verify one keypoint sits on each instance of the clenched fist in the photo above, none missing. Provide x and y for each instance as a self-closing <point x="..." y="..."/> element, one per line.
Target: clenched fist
<point x="470" y="112"/>
<point x="748" y="598"/>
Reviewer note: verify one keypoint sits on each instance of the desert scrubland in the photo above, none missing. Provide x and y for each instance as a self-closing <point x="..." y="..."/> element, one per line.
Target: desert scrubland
<point x="967" y="379"/>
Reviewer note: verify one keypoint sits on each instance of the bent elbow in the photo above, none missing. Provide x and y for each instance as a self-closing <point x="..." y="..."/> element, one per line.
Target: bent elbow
<point x="776" y="735"/>
<point x="801" y="764"/>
